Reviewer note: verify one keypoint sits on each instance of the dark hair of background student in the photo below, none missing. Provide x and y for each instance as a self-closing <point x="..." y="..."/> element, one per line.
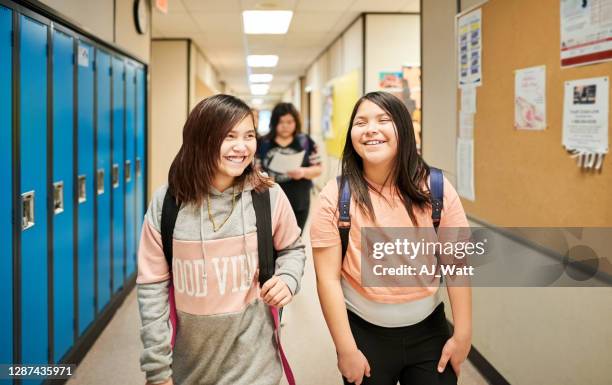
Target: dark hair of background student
<point x="280" y="110"/>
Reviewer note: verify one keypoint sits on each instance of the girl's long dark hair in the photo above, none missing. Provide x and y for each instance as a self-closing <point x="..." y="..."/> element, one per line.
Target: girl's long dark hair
<point x="193" y="169"/>
<point x="280" y="110"/>
<point x="409" y="173"/>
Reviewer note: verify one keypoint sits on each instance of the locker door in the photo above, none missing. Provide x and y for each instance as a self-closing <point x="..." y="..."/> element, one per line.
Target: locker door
<point x="85" y="185"/>
<point x="33" y="190"/>
<point x="117" y="174"/>
<point x="140" y="148"/>
<point x="6" y="192"/>
<point x="63" y="194"/>
<point x="130" y="152"/>
<point x="103" y="177"/>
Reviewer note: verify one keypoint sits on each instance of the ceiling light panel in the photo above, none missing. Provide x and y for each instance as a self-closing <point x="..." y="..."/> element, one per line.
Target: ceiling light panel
<point x="262" y="60"/>
<point x="260" y="78"/>
<point x="266" y="22"/>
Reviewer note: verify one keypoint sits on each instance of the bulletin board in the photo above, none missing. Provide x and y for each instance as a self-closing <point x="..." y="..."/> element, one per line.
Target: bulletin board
<point x="345" y="95"/>
<point x="526" y="178"/>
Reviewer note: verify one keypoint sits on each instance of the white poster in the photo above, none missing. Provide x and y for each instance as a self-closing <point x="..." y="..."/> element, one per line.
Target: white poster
<point x="468" y="99"/>
<point x="469" y="35"/>
<point x="466" y="125"/>
<point x="83" y="56"/>
<point x="586" y="31"/>
<point x="585" y="115"/>
<point x="530" y="98"/>
<point x="465" y="168"/>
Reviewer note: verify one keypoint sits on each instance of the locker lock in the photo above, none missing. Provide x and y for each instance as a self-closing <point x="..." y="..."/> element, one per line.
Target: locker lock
<point x="82" y="188"/>
<point x="138" y="166"/>
<point x="27" y="210"/>
<point x="58" y="197"/>
<point x="115" y="175"/>
<point x="128" y="171"/>
<point x="100" y="181"/>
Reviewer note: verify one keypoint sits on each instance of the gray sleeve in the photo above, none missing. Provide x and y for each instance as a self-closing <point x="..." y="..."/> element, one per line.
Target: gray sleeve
<point x="290" y="265"/>
<point x="155" y="332"/>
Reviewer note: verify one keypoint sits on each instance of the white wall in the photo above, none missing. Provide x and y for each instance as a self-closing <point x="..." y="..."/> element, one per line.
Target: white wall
<point x="391" y="41"/>
<point x="96" y="16"/>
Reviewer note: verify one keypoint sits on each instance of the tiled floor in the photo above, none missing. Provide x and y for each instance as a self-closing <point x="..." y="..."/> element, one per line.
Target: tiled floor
<point x="114" y="358"/>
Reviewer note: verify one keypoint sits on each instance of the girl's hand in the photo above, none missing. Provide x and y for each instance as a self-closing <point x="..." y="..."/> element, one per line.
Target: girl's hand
<point x="167" y="382"/>
<point x="353" y="366"/>
<point x="456" y="350"/>
<point x="296" y="174"/>
<point x="275" y="292"/>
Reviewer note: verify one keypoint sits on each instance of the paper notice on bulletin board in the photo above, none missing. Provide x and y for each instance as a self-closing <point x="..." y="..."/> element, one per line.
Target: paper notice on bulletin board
<point x="469" y="35"/>
<point x="465" y="168"/>
<point x="586" y="31"/>
<point x="530" y="98"/>
<point x="585" y="115"/>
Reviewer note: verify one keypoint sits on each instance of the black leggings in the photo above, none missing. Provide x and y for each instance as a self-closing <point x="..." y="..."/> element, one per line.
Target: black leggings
<point x="301" y="216"/>
<point x="408" y="354"/>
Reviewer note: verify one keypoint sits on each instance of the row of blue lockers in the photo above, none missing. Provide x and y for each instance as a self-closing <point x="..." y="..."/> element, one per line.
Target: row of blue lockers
<point x="72" y="175"/>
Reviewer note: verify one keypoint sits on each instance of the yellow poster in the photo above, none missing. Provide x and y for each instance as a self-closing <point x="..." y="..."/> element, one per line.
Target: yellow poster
<point x="345" y="93"/>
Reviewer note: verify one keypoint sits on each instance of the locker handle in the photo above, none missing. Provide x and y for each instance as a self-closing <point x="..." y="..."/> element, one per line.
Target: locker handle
<point x="82" y="188"/>
<point x="128" y="171"/>
<point x="27" y="210"/>
<point x="115" y="175"/>
<point x="58" y="197"/>
<point x="138" y="167"/>
<point x="100" y="181"/>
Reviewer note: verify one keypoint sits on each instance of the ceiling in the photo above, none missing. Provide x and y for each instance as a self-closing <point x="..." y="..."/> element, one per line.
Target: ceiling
<point x="215" y="26"/>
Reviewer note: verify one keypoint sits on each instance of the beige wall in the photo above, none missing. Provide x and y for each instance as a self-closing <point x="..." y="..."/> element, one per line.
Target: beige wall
<point x="96" y="16"/>
<point x="391" y="41"/>
<point x="531" y="336"/>
<point x="168" y="107"/>
<point x="439" y="84"/>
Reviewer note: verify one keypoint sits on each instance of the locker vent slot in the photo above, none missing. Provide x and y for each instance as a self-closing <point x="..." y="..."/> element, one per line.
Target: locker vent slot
<point x="82" y="188"/>
<point x="115" y="175"/>
<point x="100" y="181"/>
<point x="27" y="207"/>
<point x="128" y="171"/>
<point x="58" y="197"/>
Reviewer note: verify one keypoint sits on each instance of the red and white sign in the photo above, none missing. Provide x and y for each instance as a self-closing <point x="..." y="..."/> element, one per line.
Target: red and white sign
<point x="586" y="32"/>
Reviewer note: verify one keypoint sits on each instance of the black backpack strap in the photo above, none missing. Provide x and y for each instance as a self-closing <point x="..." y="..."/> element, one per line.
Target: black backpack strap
<point x="436" y="182"/>
<point x="344" y="219"/>
<point x="170" y="211"/>
<point x="265" y="244"/>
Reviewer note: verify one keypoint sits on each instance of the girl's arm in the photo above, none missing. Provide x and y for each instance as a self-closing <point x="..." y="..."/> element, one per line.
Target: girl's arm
<point x="351" y="362"/>
<point x="306" y="172"/>
<point x="458" y="346"/>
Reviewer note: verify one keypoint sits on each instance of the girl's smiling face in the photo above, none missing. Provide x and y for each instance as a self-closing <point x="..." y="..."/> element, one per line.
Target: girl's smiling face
<point x="373" y="135"/>
<point x="237" y="149"/>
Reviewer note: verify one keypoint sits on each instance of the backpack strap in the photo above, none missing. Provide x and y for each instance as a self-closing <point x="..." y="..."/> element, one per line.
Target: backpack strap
<point x="265" y="244"/>
<point x="344" y="218"/>
<point x="170" y="211"/>
<point x="436" y="182"/>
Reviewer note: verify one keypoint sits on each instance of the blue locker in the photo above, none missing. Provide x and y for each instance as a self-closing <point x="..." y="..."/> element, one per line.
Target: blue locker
<point x="6" y="192"/>
<point x="103" y="178"/>
<point x="130" y="152"/>
<point x="63" y="194"/>
<point x="33" y="189"/>
<point x="140" y="148"/>
<point x="117" y="174"/>
<point x="85" y="185"/>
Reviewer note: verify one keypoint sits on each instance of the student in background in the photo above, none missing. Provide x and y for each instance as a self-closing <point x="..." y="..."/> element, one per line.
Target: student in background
<point x="286" y="137"/>
<point x="225" y="332"/>
<point x="388" y="334"/>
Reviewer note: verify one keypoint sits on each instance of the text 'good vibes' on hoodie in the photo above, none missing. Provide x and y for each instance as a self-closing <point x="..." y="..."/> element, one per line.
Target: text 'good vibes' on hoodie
<point x="226" y="332"/>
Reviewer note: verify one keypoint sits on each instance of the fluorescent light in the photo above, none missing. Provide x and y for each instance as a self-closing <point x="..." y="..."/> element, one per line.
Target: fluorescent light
<point x="266" y="22"/>
<point x="260" y="78"/>
<point x="257" y="101"/>
<point x="260" y="89"/>
<point x="262" y="60"/>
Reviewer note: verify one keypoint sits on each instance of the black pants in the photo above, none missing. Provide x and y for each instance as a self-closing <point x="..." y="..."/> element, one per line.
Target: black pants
<point x="408" y="354"/>
<point x="301" y="216"/>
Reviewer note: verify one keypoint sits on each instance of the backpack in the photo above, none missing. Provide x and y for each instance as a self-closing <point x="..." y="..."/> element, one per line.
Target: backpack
<point x="265" y="250"/>
<point x="436" y="178"/>
<point x="265" y="145"/>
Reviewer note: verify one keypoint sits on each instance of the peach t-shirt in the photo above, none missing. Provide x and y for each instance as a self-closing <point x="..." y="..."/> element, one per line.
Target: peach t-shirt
<point x="390" y="212"/>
